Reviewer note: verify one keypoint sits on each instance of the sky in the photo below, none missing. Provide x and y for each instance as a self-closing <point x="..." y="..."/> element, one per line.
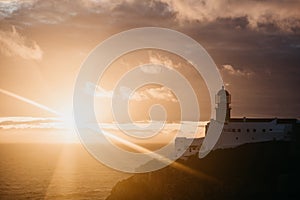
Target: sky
<point x="255" y="45"/>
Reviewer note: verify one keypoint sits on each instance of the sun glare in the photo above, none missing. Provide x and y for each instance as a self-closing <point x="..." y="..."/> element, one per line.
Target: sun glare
<point x="67" y="120"/>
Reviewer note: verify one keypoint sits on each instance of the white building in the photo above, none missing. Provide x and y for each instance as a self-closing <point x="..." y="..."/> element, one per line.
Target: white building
<point x="238" y="131"/>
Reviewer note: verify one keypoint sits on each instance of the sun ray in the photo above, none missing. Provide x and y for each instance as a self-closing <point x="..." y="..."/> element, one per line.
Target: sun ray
<point x="29" y="101"/>
<point x="161" y="158"/>
<point x="125" y="142"/>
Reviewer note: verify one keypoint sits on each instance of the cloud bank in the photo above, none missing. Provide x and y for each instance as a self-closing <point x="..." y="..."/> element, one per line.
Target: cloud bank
<point x="259" y="15"/>
<point x="284" y="15"/>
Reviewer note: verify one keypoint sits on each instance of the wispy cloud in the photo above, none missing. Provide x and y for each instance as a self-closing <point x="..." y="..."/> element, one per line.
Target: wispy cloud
<point x="126" y="93"/>
<point x="158" y="59"/>
<point x="157" y="62"/>
<point x="158" y="93"/>
<point x="151" y="69"/>
<point x="236" y="72"/>
<point x="14" y="123"/>
<point x="12" y="43"/>
<point x="31" y="123"/>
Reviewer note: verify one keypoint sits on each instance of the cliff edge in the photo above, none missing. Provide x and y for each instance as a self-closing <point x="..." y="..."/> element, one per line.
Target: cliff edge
<point x="267" y="170"/>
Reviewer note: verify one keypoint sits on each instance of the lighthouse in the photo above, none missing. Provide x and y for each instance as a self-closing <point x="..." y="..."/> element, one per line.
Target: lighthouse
<point x="237" y="131"/>
<point x="223" y="100"/>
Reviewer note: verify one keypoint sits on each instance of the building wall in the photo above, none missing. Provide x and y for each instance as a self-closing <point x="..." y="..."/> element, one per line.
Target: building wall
<point x="235" y="134"/>
<point x="238" y="133"/>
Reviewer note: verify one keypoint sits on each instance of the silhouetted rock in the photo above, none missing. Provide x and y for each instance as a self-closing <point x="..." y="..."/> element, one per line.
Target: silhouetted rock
<point x="267" y="170"/>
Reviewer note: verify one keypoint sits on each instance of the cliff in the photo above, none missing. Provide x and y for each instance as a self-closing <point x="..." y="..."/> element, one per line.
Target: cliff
<point x="268" y="170"/>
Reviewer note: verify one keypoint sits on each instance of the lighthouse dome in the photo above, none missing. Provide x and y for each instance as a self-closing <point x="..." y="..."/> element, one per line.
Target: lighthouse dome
<point x="222" y="92"/>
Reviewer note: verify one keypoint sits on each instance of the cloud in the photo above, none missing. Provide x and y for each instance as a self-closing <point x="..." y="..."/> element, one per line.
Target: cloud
<point x="30" y="123"/>
<point x="165" y="61"/>
<point x="32" y="12"/>
<point x="9" y="7"/>
<point x="97" y="91"/>
<point x="282" y="14"/>
<point x="259" y="15"/>
<point x="151" y="68"/>
<point x="126" y="93"/>
<point x="236" y="72"/>
<point x="157" y="62"/>
<point x="158" y="93"/>
<point x="13" y="43"/>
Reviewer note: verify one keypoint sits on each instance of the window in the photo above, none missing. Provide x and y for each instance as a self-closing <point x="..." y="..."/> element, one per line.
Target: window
<point x="254" y="130"/>
<point x="239" y="130"/>
<point x="270" y="130"/>
<point x="248" y="130"/>
<point x="264" y="130"/>
<point x="233" y="130"/>
<point x="237" y="138"/>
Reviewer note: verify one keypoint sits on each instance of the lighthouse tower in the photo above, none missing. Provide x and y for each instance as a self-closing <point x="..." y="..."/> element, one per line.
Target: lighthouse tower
<point x="223" y="100"/>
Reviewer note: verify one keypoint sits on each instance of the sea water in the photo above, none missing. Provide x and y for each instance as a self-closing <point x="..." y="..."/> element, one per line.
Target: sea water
<point x="53" y="171"/>
<point x="39" y="160"/>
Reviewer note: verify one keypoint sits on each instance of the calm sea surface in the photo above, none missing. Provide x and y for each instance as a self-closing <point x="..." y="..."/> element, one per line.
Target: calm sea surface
<point x="39" y="161"/>
<point x="53" y="171"/>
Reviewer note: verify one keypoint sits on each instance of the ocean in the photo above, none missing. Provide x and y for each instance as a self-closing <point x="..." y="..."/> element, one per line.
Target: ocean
<point x="53" y="171"/>
<point x="41" y="159"/>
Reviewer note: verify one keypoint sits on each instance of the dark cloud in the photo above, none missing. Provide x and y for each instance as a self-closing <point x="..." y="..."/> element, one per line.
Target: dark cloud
<point x="259" y="15"/>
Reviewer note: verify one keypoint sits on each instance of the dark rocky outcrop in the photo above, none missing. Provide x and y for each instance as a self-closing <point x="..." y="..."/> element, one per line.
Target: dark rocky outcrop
<point x="267" y="170"/>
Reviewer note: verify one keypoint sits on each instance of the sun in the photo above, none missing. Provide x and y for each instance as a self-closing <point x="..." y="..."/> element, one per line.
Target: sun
<point x="68" y="121"/>
<point x="65" y="116"/>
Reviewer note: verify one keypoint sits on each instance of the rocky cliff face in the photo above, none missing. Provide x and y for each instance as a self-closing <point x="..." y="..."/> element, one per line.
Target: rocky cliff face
<point x="268" y="170"/>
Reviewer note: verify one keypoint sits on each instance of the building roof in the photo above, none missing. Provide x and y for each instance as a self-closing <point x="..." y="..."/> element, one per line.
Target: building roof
<point x="279" y="121"/>
<point x="222" y="91"/>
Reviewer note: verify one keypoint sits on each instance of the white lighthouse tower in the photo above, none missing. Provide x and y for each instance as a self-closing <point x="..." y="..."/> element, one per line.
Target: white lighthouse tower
<point x="223" y="100"/>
